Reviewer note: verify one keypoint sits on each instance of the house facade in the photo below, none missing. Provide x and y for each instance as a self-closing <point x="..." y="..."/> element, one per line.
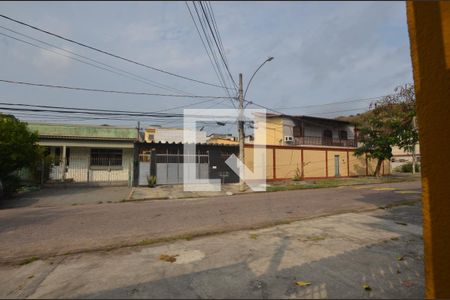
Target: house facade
<point x="85" y="153"/>
<point x="306" y="130"/>
<point x="401" y="157"/>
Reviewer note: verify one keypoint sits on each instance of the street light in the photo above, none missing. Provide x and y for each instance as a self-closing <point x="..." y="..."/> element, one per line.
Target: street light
<point x="269" y="59"/>
<point x="241" y="122"/>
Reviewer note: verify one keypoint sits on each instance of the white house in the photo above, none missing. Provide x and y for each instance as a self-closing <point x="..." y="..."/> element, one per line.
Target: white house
<point x="86" y="153"/>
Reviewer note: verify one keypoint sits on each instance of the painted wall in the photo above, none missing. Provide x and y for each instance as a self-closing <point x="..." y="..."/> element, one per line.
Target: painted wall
<point x="315" y="160"/>
<point x="79" y="170"/>
<point x="357" y="165"/>
<point x="314" y="163"/>
<point x="286" y="162"/>
<point x="249" y="161"/>
<point x="343" y="171"/>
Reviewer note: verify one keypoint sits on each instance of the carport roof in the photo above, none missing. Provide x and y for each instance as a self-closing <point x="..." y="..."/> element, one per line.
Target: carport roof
<point x="85" y="132"/>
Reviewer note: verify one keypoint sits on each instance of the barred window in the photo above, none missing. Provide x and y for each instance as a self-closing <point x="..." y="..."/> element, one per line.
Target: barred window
<point x="106" y="157"/>
<point x="342" y="134"/>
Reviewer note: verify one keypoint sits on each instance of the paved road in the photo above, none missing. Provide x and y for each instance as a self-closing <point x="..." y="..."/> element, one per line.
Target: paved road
<point x="26" y="232"/>
<point x="337" y="255"/>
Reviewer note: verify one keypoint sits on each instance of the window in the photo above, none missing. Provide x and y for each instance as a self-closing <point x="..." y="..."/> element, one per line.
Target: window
<point x="106" y="157"/>
<point x="327" y="137"/>
<point x="342" y="134"/>
<point x="297" y="131"/>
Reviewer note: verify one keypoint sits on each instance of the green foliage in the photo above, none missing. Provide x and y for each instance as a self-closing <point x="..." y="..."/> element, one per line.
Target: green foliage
<point x="18" y="146"/>
<point x="10" y="184"/>
<point x="151" y="180"/>
<point x="298" y="175"/>
<point x="407" y="168"/>
<point x="388" y="123"/>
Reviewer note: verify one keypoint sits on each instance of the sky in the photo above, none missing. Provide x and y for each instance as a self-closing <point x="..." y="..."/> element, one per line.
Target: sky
<point x="324" y="52"/>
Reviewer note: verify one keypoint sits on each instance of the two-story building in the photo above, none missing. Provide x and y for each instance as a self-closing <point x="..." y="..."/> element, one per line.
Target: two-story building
<point x="307" y="130"/>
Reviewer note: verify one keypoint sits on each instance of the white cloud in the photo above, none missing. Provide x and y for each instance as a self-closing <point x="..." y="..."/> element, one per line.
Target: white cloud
<point x="49" y="63"/>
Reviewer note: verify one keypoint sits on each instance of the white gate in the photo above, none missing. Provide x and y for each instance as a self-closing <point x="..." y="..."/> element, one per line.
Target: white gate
<point x="169" y="167"/>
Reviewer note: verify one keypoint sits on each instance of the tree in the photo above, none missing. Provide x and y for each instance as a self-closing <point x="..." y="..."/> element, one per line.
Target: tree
<point x="388" y="123"/>
<point x="18" y="146"/>
<point x="404" y="125"/>
<point x="376" y="138"/>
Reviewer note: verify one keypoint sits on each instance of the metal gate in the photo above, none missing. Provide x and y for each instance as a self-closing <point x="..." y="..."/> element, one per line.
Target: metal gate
<point x="144" y="168"/>
<point x="169" y="167"/>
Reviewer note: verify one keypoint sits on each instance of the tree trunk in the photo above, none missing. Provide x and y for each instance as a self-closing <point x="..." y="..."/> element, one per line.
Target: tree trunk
<point x="414" y="160"/>
<point x="378" y="168"/>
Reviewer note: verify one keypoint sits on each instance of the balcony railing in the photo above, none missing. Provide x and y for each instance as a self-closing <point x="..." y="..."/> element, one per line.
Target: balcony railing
<point x="321" y="141"/>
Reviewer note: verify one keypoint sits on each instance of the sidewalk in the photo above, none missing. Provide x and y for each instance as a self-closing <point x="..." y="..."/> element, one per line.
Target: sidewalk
<point x="177" y="192"/>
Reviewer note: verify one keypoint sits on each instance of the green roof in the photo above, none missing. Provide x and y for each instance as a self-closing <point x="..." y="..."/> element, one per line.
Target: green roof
<point x="83" y="131"/>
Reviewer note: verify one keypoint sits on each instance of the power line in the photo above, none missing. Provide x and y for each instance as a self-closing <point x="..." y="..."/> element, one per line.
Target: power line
<point x="84" y="62"/>
<point x="217" y="45"/>
<point x="204" y="46"/>
<point x="202" y="23"/>
<point x="88" y="111"/>
<point x="335" y="102"/>
<point x="155" y="83"/>
<point x="107" y="53"/>
<point x="107" y="91"/>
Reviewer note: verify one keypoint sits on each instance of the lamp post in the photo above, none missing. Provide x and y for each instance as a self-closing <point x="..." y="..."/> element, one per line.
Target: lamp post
<point x="241" y="121"/>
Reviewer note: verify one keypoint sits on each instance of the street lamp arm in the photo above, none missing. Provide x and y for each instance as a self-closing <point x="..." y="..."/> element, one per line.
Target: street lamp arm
<point x="251" y="78"/>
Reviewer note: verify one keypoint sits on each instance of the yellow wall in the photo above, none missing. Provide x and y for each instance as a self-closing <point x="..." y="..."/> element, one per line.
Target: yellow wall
<point x="269" y="161"/>
<point x="357" y="165"/>
<point x="274" y="131"/>
<point x="314" y="161"/>
<point x="222" y="141"/>
<point x="287" y="161"/>
<point x="342" y="163"/>
<point x="429" y="33"/>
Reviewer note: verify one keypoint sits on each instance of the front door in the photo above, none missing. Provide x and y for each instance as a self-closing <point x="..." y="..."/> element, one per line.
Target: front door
<point x="336" y="166"/>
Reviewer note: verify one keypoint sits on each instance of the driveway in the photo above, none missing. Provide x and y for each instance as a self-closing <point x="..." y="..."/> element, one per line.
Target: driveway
<point x="68" y="196"/>
<point x="42" y="232"/>
<point x="334" y="257"/>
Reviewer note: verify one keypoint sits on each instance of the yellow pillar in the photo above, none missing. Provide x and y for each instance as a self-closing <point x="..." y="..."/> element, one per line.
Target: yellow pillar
<point x="429" y="33"/>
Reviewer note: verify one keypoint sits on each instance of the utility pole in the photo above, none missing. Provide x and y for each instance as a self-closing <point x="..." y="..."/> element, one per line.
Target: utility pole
<point x="241" y="133"/>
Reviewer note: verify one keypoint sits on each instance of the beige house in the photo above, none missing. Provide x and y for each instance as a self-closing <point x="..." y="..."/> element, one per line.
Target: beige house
<point x="306" y="130"/>
<point x="400" y="157"/>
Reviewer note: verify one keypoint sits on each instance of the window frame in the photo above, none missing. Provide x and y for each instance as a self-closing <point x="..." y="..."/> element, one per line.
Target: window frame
<point x="109" y="158"/>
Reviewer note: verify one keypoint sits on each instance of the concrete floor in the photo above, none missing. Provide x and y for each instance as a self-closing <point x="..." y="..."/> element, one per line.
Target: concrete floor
<point x="337" y="254"/>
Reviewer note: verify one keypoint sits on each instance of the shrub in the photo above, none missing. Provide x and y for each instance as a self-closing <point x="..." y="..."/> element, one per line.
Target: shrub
<point x="11" y="184"/>
<point x="407" y="168"/>
<point x="298" y="175"/>
<point x="151" y="180"/>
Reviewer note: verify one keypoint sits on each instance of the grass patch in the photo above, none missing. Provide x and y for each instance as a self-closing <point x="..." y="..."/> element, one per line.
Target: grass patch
<point x="28" y="260"/>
